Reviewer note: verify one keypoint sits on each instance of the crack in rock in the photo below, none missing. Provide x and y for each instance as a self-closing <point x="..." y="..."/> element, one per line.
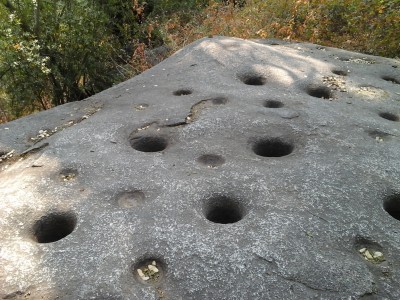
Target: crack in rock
<point x="45" y="133"/>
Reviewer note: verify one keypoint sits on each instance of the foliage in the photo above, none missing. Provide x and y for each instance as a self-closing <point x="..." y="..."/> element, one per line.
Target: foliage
<point x="52" y="52"/>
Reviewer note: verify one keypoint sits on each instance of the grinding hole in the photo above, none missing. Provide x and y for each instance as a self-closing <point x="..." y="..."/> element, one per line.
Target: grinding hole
<point x="272" y="147"/>
<point x="392" y="206"/>
<point x="273" y="104"/>
<point x="389" y="116"/>
<point x="369" y="250"/>
<point x="182" y="92"/>
<point x="223" y="210"/>
<point x="211" y="160"/>
<point x="320" y="92"/>
<point x="339" y="72"/>
<point x="54" y="227"/>
<point x="391" y="79"/>
<point x="378" y="135"/>
<point x="149" y="271"/>
<point x="219" y="101"/>
<point x="68" y="174"/>
<point x="149" y="143"/>
<point x="130" y="199"/>
<point x="253" y="79"/>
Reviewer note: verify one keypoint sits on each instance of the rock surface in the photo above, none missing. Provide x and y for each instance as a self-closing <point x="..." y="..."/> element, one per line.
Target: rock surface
<point x="232" y="170"/>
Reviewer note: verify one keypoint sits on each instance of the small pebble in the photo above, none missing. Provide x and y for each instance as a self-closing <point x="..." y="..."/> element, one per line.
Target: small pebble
<point x="153" y="268"/>
<point x="142" y="276"/>
<point x="368" y="255"/>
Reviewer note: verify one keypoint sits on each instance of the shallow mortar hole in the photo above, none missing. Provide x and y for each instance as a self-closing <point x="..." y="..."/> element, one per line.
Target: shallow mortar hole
<point x="369" y="250"/>
<point x="219" y="101"/>
<point x="54" y="227"/>
<point x="339" y="72"/>
<point x="68" y="174"/>
<point x="211" y="160"/>
<point x="320" y="92"/>
<point x="129" y="199"/>
<point x="273" y="104"/>
<point x="391" y="79"/>
<point x="149" y="143"/>
<point x="391" y="205"/>
<point x="378" y="135"/>
<point x="389" y="116"/>
<point x="149" y="271"/>
<point x="182" y="92"/>
<point x="272" y="147"/>
<point x="223" y="210"/>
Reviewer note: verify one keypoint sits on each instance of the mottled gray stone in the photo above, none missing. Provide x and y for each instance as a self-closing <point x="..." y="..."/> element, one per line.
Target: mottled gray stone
<point x="243" y="169"/>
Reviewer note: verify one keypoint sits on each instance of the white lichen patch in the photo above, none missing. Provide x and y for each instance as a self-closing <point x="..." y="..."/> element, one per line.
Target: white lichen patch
<point x="335" y="83"/>
<point x="376" y="257"/>
<point x="362" y="60"/>
<point x="7" y="155"/>
<point x="372" y="92"/>
<point x="141" y="107"/>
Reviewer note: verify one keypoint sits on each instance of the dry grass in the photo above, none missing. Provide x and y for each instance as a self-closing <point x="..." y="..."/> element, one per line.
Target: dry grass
<point x="369" y="26"/>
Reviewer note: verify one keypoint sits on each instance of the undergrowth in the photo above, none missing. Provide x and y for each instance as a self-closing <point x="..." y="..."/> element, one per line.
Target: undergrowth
<point x="368" y="26"/>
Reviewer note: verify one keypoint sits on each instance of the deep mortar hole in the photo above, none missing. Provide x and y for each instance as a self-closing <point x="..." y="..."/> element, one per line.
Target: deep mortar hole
<point x="149" y="143"/>
<point x="223" y="210"/>
<point x="389" y="116"/>
<point x="392" y="205"/>
<point x="391" y="79"/>
<point x="339" y="72"/>
<point x="182" y="92"/>
<point x="149" y="271"/>
<point x="320" y="92"/>
<point x="211" y="160"/>
<point x="254" y="80"/>
<point x="273" y="104"/>
<point x="272" y="147"/>
<point x="54" y="227"/>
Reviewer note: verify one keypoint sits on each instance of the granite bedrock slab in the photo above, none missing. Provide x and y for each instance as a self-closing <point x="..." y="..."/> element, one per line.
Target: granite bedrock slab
<point x="235" y="169"/>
